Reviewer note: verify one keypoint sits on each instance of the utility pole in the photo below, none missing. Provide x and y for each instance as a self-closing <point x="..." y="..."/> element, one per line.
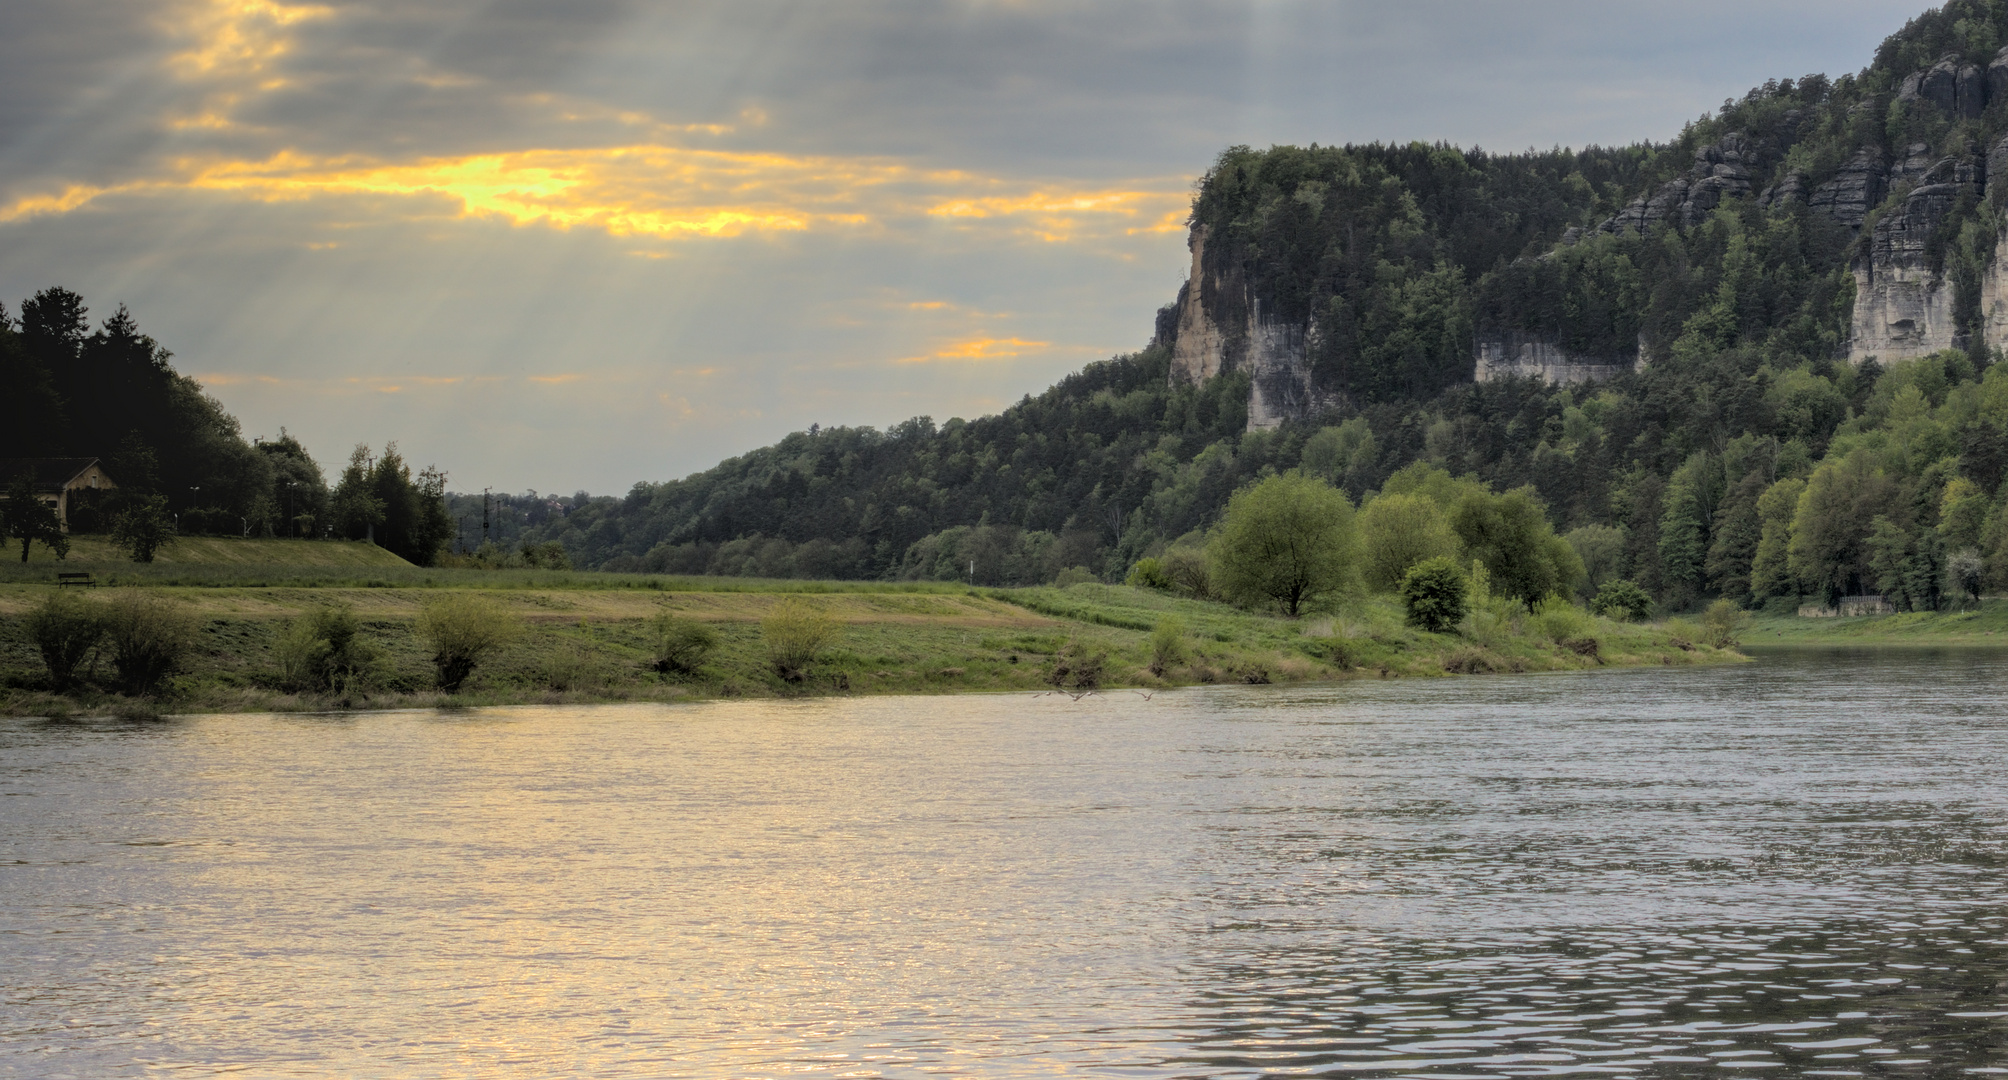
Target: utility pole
<point x="484" y="514"/>
<point x="972" y="573"/>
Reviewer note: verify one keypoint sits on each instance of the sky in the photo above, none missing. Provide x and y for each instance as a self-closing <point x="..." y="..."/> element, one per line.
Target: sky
<point x="572" y="246"/>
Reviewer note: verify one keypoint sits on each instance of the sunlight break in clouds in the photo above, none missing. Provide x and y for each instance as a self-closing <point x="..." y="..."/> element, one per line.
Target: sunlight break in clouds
<point x="667" y="191"/>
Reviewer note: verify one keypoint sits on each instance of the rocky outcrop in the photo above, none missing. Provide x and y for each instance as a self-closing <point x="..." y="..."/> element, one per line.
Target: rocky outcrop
<point x="1953" y="88"/>
<point x="1854" y="191"/>
<point x="1903" y="308"/>
<point x="1512" y="355"/>
<point x="1721" y="171"/>
<point x="1222" y="326"/>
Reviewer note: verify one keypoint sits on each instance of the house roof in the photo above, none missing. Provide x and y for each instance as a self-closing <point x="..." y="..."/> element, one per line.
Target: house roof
<point x="51" y="473"/>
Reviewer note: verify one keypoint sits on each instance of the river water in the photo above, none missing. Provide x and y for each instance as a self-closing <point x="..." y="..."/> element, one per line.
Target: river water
<point x="1794" y="866"/>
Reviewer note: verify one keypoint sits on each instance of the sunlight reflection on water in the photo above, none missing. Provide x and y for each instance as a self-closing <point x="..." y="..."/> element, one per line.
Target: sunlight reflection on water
<point x="1792" y="865"/>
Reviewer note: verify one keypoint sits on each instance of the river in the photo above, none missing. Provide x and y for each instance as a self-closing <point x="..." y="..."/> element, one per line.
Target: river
<point x="1793" y="866"/>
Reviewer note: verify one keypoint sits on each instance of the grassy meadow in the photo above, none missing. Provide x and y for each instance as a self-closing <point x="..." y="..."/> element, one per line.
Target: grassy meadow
<point x="587" y="635"/>
<point x="1985" y="623"/>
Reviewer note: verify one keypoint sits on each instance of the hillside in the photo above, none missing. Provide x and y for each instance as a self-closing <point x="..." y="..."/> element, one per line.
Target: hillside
<point x="1754" y="361"/>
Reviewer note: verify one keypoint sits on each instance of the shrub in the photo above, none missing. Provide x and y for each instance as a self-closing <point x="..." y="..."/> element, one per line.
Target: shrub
<point x="1622" y="600"/>
<point x="1186" y="567"/>
<point x="1148" y="573"/>
<point x="150" y="635"/>
<point x="1560" y="621"/>
<point x="796" y="632"/>
<point x="1681" y="633"/>
<point x="461" y="629"/>
<point x="1167" y="644"/>
<point x="324" y="650"/>
<point x="1722" y="623"/>
<point x="1077" y="669"/>
<point x="66" y="629"/>
<point x="680" y="645"/>
<point x="1074" y="575"/>
<point x="1436" y="593"/>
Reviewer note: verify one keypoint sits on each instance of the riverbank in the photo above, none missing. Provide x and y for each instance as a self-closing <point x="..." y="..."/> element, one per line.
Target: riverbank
<point x="1985" y="623"/>
<point x="587" y="639"/>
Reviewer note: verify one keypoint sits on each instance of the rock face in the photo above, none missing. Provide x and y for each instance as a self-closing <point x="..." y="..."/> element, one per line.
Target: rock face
<point x="1721" y="171"/>
<point x="1511" y="355"/>
<point x="1854" y="191"/>
<point x="1902" y="308"/>
<point x="1221" y="326"/>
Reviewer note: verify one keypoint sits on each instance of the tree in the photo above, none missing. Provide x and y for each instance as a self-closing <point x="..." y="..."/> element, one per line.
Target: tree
<point x="1436" y="593"/>
<point x="1770" y="570"/>
<point x="356" y="510"/>
<point x="1830" y="528"/>
<point x="1396" y="533"/>
<point x="28" y="519"/>
<point x="1289" y="539"/>
<point x="1621" y="599"/>
<point x="1739" y="529"/>
<point x="1965" y="572"/>
<point x="1683" y="529"/>
<point x="1510" y="534"/>
<point x="143" y="528"/>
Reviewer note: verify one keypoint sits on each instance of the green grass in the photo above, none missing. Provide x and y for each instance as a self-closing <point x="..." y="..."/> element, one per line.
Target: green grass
<point x="98" y="554"/>
<point x="587" y="640"/>
<point x="1984" y="624"/>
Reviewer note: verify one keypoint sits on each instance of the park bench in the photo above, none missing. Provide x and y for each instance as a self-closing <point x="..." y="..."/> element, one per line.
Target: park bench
<point x="76" y="577"/>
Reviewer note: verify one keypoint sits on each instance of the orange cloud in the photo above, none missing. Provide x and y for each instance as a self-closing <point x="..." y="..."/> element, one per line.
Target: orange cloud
<point x="555" y="379"/>
<point x="654" y="192"/>
<point x="981" y="348"/>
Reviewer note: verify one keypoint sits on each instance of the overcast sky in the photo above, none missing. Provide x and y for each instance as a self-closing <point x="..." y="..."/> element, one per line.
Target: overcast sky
<point x="576" y="245"/>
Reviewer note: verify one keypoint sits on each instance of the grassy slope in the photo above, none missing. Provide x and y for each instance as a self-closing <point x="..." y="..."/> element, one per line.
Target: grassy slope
<point x="1984" y="625"/>
<point x="588" y="642"/>
<point x="101" y="556"/>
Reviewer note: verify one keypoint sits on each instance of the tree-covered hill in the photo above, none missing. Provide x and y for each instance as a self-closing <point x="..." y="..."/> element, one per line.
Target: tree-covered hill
<point x="1747" y="456"/>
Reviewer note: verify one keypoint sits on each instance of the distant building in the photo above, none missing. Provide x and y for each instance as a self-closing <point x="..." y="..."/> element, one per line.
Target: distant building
<point x="55" y="478"/>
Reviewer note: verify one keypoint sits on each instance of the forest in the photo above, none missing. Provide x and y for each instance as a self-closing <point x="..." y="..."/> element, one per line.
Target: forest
<point x="179" y="459"/>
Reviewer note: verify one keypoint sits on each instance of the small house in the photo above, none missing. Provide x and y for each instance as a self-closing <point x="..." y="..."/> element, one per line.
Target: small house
<point x="55" y="479"/>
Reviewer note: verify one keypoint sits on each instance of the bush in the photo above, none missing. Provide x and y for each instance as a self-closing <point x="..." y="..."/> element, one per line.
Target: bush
<point x="1167" y="644"/>
<point x="150" y="635"/>
<point x="1561" y="621"/>
<point x="1186" y="567"/>
<point x="67" y="630"/>
<point x="323" y="650"/>
<point x="680" y="645"/>
<point x="1148" y="574"/>
<point x="1077" y="669"/>
<point x="1681" y="633"/>
<point x="1622" y="600"/>
<point x="461" y="629"/>
<point x="1722" y="623"/>
<point x="796" y="632"/>
<point x="1288" y="539"/>
<point x="1436" y="593"/>
<point x="1074" y="575"/>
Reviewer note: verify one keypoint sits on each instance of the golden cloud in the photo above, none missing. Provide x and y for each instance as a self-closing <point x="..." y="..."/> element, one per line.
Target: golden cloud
<point x="980" y="348"/>
<point x="658" y="192"/>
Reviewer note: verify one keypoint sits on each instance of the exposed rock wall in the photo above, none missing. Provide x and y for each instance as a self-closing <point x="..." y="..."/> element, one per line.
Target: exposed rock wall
<point x="1221" y="326"/>
<point x="1903" y="308"/>
<point x="1511" y="355"/>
